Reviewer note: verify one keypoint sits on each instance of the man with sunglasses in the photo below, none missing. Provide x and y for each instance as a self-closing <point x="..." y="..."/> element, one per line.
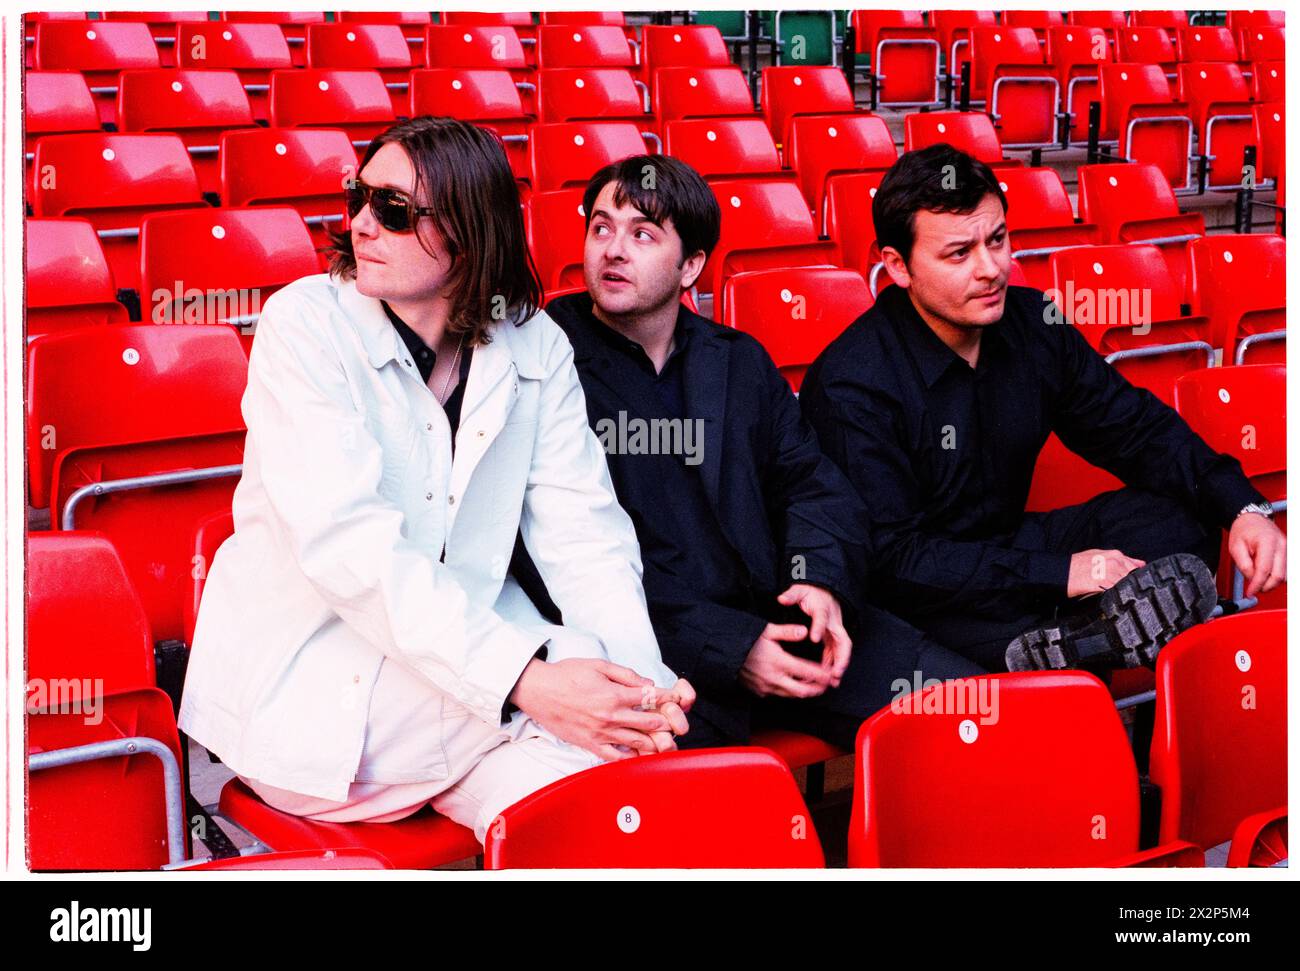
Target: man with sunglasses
<point x="361" y="651"/>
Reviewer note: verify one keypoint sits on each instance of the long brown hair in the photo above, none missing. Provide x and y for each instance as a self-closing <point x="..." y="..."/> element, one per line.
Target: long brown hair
<point x="463" y="172"/>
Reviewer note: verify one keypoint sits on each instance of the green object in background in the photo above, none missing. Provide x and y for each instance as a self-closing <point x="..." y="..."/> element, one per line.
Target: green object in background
<point x="807" y="36"/>
<point x="732" y="24"/>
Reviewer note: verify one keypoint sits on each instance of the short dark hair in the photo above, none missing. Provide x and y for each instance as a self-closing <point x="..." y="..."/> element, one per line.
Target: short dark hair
<point x="939" y="178"/>
<point x="475" y="201"/>
<point x="663" y="188"/>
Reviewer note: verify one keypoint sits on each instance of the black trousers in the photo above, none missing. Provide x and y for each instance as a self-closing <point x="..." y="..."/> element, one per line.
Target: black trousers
<point x="889" y="659"/>
<point x="1140" y="524"/>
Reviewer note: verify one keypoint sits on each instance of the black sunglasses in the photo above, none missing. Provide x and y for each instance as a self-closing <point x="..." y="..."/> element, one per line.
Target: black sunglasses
<point x="393" y="210"/>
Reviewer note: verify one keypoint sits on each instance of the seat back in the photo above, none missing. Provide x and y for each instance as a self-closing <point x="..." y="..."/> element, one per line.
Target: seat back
<point x="557" y="227"/>
<point x="356" y="101"/>
<point x="1240" y="411"/>
<point x="825" y="145"/>
<point x="695" y="92"/>
<point x="693" y="45"/>
<point x="55" y="102"/>
<point x="570" y="153"/>
<point x="723" y="147"/>
<point x="788" y="91"/>
<point x="848" y="218"/>
<point x="576" y="45"/>
<point x="677" y="810"/>
<point x="1270" y="136"/>
<point x="99" y="50"/>
<point x="758" y="214"/>
<point x="177" y="99"/>
<point x="1113" y="195"/>
<point x="590" y="93"/>
<point x="1008" y="770"/>
<point x="370" y="45"/>
<point x="795" y="313"/>
<point x="209" y="533"/>
<point x="991" y="47"/>
<point x="1262" y="43"/>
<point x="488" y="47"/>
<point x="1207" y="44"/>
<point x="1147" y="45"/>
<point x="1239" y="282"/>
<point x="1219" y="752"/>
<point x="68" y="280"/>
<point x="970" y="131"/>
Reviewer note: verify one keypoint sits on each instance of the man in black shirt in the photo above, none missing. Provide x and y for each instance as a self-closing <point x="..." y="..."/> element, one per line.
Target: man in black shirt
<point x="936" y="403"/>
<point x="750" y="537"/>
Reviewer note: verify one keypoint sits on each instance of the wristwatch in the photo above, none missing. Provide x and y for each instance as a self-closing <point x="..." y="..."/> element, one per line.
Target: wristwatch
<point x="1263" y="508"/>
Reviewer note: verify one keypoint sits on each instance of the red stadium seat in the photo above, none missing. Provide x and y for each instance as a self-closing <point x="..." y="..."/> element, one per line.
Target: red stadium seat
<point x="1133" y="203"/>
<point x="1260" y="840"/>
<point x="485" y="47"/>
<point x="825" y="145"/>
<point x="1019" y="90"/>
<point x="1076" y="53"/>
<point x="1221" y="110"/>
<point x="971" y="131"/>
<point x="197" y="105"/>
<point x="412" y="23"/>
<point x="1138" y="110"/>
<point x="99" y="50"/>
<point x="1270" y="136"/>
<point x="520" y="20"/>
<point x="1149" y="45"/>
<point x="848" y="222"/>
<point x="590" y="94"/>
<point x="1040" y="220"/>
<point x="765" y="224"/>
<point x="1170" y="20"/>
<point x="1239" y="20"/>
<point x="1206" y="44"/>
<point x="209" y="533"/>
<point x="218" y="266"/>
<point x="165" y="410"/>
<point x="68" y="280"/>
<point x="721" y="148"/>
<point x="1262" y="43"/>
<point x="1039" y="775"/>
<point x="1111" y="21"/>
<point x="252" y="51"/>
<point x="583" y="17"/>
<point x="556" y="227"/>
<point x="1219" y="753"/>
<point x="1123" y="299"/>
<point x="1239" y="282"/>
<point x="292" y="24"/>
<point x="954" y="27"/>
<point x="795" y="313"/>
<point x="418" y="842"/>
<point x="1241" y="411"/>
<point x="904" y="56"/>
<point x="487" y="98"/>
<point x="374" y="46"/>
<point x="1039" y="21"/>
<point x="300" y="860"/>
<point x="303" y="168"/>
<point x="30" y="20"/>
<point x="789" y="91"/>
<point x="1268" y="81"/>
<point x="570" y="153"/>
<point x="700" y="92"/>
<point x="55" y="103"/>
<point x="681" y="45"/>
<point x="355" y="101"/>
<point x="574" y="45"/>
<point x="162" y="24"/>
<point x="677" y="809"/>
<point x="90" y="668"/>
<point x="114" y="180"/>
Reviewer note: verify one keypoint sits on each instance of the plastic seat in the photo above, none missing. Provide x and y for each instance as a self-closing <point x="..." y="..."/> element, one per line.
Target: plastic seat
<point x="1076" y="54"/>
<point x="1206" y="44"/>
<point x="197" y="105"/>
<point x="613" y="18"/>
<point x="1039" y="21"/>
<point x="1124" y="300"/>
<point x="252" y="51"/>
<point x="209" y="533"/>
<point x="412" y="23"/>
<point x="90" y="667"/>
<point x="31" y="19"/>
<point x="1239" y="20"/>
<point x="1138" y="110"/>
<point x="848" y="221"/>
<point x="953" y="28"/>
<point x="1020" y="91"/>
<point x="1219" y="99"/>
<point x="825" y="145"/>
<point x="1241" y="411"/>
<point x="301" y="860"/>
<point x="589" y="94"/>
<point x="1111" y="21"/>
<point x="1134" y="203"/>
<point x="488" y="47"/>
<point x="369" y="46"/>
<point x="99" y="50"/>
<point x="557" y="227"/>
<point x="162" y="24"/>
<point x="521" y="21"/>
<point x="1268" y="81"/>
<point x="1260" y="840"/>
<point x="114" y="181"/>
<point x="166" y="406"/>
<point x="970" y="131"/>
<point x="1219" y="753"/>
<point x="292" y="24"/>
<point x="765" y="224"/>
<point x="419" y="842"/>
<point x="487" y="98"/>
<point x="570" y="153"/>
<point x="68" y="280"/>
<point x="714" y="808"/>
<point x="789" y="91"/>
<point x="355" y="101"/>
<point x="1039" y="774"/>
<point x="795" y="313"/>
<point x="1149" y="45"/>
<point x="303" y="168"/>
<point x="1270" y="136"/>
<point x="1239" y="282"/>
<point x="1170" y="20"/>
<point x="219" y="266"/>
<point x="681" y="45"/>
<point x="903" y="54"/>
<point x="719" y="148"/>
<point x="577" y="45"/>
<point x="1040" y="220"/>
<point x="700" y="92"/>
<point x="55" y="103"/>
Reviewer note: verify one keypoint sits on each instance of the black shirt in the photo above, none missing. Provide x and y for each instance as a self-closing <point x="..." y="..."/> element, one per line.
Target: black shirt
<point x="943" y="453"/>
<point x="425" y="357"/>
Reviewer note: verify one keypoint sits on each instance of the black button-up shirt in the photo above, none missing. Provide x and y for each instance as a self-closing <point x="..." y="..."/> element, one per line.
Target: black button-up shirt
<point x="943" y="453"/>
<point x="425" y="357"/>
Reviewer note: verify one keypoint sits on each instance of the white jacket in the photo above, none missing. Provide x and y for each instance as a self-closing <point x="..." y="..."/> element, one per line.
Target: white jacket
<point x="348" y="495"/>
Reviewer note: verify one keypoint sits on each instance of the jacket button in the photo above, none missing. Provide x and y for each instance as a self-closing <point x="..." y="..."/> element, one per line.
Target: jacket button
<point x="428" y="427"/>
<point x="481" y="433"/>
<point x="451" y="500"/>
<point x="356" y="679"/>
<point x="429" y="496"/>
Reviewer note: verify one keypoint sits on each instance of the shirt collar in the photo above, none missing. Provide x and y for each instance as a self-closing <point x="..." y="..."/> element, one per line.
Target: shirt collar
<point x="683" y="331"/>
<point x="931" y="354"/>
